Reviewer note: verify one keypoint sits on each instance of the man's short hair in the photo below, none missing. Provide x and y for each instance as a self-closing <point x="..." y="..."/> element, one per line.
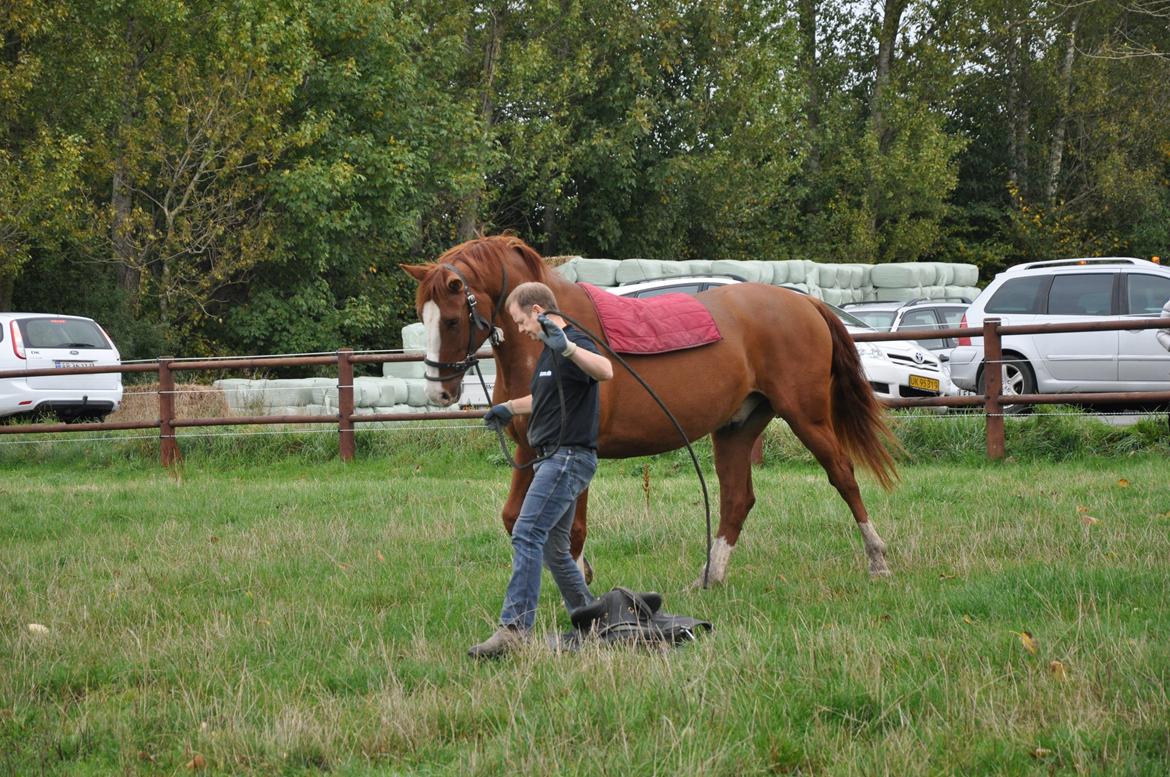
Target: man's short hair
<point x="532" y="293"/>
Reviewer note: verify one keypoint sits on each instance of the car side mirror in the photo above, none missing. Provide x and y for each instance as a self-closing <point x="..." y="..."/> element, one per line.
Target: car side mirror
<point x="944" y="357"/>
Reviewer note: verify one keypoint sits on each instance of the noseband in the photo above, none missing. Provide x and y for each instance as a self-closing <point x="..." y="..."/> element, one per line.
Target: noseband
<point x="476" y="321"/>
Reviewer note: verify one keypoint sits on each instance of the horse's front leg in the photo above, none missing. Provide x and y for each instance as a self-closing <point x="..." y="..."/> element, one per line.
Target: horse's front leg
<point x="577" y="536"/>
<point x="521" y="480"/>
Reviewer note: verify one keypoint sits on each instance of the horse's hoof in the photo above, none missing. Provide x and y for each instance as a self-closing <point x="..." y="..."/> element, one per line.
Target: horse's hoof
<point x="883" y="571"/>
<point x="711" y="583"/>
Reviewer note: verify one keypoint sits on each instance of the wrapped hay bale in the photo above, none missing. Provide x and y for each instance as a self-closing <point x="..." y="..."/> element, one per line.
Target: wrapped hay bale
<point x="898" y="293"/>
<point x="753" y="272"/>
<point x="897" y="276"/>
<point x="836" y="296"/>
<point x="934" y="292"/>
<point x="599" y="272"/>
<point x="416" y="392"/>
<point x="321" y="388"/>
<point x="698" y="267"/>
<point x="414" y="342"/>
<point x="962" y="292"/>
<point x="288" y="393"/>
<point x="965" y="275"/>
<point x="568" y="270"/>
<point x="252" y="397"/>
<point x="638" y="270"/>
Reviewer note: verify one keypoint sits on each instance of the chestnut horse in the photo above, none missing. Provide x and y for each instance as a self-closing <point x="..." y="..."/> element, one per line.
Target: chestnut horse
<point x="782" y="354"/>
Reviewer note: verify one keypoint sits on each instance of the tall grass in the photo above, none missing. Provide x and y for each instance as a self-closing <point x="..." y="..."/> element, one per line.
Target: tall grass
<point x="295" y="615"/>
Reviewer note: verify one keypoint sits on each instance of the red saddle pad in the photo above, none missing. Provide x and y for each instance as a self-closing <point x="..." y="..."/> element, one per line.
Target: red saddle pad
<point x="668" y="322"/>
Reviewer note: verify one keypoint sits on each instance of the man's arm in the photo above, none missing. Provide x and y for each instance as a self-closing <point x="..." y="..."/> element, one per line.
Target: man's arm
<point x="520" y="405"/>
<point x="592" y="364"/>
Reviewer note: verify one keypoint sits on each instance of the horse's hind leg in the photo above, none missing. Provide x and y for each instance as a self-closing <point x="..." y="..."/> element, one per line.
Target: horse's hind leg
<point x="818" y="437"/>
<point x="733" y="464"/>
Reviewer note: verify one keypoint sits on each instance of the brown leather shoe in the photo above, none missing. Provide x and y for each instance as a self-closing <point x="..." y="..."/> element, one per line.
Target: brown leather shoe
<point x="504" y="641"/>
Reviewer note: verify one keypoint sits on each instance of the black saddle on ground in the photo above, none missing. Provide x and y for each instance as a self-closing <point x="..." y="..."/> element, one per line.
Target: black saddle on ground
<point x="623" y="616"/>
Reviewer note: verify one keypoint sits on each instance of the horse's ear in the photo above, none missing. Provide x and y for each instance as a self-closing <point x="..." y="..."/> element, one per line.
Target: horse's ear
<point x="417" y="271"/>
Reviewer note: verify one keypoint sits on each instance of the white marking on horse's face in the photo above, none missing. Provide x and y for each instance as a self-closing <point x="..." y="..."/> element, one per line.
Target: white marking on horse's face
<point x="431" y="316"/>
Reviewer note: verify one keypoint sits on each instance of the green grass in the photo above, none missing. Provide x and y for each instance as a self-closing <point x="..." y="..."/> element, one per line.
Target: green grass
<point x="302" y="616"/>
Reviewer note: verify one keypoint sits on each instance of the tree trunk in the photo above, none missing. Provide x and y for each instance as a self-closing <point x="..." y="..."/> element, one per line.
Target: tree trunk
<point x="892" y="11"/>
<point x="7" y="284"/>
<point x="121" y="201"/>
<point x="469" y="219"/>
<point x="807" y="26"/>
<point x="1056" y="150"/>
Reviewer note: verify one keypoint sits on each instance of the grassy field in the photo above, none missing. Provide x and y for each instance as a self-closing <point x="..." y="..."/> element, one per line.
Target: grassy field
<point x="301" y="616"/>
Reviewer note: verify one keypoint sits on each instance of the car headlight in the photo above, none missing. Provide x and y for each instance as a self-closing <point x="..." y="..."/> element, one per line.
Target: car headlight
<point x="871" y="351"/>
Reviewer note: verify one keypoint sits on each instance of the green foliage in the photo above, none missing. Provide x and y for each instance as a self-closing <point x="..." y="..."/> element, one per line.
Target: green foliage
<point x="216" y="178"/>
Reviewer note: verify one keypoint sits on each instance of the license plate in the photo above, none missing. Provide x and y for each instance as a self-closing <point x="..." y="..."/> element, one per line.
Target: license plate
<point x="920" y="382"/>
<point x="66" y="365"/>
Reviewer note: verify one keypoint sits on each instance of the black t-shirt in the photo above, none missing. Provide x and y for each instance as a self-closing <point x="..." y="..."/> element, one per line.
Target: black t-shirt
<point x="582" y="399"/>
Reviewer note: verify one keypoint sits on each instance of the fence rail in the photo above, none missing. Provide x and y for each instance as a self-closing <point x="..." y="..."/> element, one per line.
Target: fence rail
<point x="346" y="419"/>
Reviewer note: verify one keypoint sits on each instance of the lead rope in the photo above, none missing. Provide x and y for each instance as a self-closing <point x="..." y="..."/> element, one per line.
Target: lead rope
<point x="678" y="427"/>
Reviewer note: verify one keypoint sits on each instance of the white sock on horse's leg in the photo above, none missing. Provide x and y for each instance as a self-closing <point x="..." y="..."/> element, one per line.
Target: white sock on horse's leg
<point x="720" y="556"/>
<point x="875" y="549"/>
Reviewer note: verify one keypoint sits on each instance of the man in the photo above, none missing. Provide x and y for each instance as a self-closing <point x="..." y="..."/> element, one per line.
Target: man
<point x="569" y="460"/>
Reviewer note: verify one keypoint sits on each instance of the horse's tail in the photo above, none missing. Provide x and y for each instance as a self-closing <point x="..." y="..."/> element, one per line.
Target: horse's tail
<point x="858" y="417"/>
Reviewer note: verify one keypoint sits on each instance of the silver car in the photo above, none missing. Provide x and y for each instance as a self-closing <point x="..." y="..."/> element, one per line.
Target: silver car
<point x="1067" y="291"/>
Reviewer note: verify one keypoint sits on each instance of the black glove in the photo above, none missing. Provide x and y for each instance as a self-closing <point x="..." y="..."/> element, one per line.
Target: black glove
<point x="498" y="417"/>
<point x="554" y="337"/>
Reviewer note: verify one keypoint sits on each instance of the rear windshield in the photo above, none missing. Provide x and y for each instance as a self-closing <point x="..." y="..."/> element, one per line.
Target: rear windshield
<point x="878" y="319"/>
<point x="61" y="333"/>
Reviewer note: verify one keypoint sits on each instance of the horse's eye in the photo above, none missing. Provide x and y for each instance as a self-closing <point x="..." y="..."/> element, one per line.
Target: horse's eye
<point x="450" y="323"/>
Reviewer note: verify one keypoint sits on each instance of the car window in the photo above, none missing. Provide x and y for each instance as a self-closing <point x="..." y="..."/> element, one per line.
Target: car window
<point x="1019" y="295"/>
<point x="922" y="319"/>
<point x="1088" y="294"/>
<point x="878" y="319"/>
<point x="683" y="288"/>
<point x="1147" y="293"/>
<point x="61" y="333"/>
<point x="952" y="316"/>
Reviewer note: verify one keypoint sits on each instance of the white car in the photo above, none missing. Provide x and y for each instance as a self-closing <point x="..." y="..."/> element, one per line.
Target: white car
<point x="1071" y="291"/>
<point x="894" y="368"/>
<point x="37" y="341"/>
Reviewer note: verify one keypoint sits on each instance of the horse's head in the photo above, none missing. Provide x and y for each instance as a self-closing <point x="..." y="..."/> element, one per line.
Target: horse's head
<point x="457" y="318"/>
<point x="460" y="302"/>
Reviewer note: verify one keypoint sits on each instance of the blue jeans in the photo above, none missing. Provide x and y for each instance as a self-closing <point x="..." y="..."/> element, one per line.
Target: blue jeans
<point x="542" y="533"/>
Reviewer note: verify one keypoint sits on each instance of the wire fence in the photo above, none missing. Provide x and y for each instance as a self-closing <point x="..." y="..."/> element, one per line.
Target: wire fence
<point x="345" y="419"/>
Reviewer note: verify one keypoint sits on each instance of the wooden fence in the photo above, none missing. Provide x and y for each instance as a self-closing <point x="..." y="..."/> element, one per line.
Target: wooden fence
<point x="346" y="419"/>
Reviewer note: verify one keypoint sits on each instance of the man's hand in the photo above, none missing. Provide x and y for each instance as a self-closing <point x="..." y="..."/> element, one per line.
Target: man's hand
<point x="498" y="417"/>
<point x="554" y="337"/>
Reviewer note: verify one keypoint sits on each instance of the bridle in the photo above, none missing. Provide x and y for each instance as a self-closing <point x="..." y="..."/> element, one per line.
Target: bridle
<point x="475" y="321"/>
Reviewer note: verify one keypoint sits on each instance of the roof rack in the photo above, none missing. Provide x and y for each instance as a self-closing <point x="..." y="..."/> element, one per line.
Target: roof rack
<point x="909" y="302"/>
<point x="1093" y="260"/>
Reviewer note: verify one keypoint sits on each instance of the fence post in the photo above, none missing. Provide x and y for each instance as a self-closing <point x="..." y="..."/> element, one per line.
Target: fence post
<point x="345" y="403"/>
<point x="168" y="444"/>
<point x="993" y="388"/>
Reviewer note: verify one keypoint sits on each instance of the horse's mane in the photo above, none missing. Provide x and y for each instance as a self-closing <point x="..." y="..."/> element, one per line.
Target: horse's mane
<point x="480" y="260"/>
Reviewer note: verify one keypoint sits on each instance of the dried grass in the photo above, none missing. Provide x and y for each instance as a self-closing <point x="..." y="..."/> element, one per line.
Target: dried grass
<point x="192" y="400"/>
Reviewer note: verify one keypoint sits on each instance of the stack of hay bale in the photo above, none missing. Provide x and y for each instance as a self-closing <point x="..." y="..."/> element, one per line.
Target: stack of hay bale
<point x="838" y="284"/>
<point x="401" y="389"/>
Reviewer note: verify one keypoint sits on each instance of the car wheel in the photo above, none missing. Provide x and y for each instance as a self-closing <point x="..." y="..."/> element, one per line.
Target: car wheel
<point x="1018" y="378"/>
